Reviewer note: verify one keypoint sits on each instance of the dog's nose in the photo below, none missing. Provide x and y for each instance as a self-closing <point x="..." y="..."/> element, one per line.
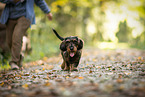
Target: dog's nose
<point x="71" y="48"/>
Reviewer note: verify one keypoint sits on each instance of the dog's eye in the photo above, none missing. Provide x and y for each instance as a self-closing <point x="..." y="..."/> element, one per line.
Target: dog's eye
<point x="75" y="41"/>
<point x="67" y="41"/>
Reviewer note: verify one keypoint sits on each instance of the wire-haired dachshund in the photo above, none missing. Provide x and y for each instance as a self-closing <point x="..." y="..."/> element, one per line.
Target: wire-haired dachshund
<point x="71" y="49"/>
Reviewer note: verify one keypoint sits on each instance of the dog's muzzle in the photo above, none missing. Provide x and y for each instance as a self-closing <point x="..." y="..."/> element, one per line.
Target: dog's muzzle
<point x="71" y="48"/>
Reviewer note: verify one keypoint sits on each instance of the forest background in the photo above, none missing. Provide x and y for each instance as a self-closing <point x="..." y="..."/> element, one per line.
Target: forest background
<point x="104" y="24"/>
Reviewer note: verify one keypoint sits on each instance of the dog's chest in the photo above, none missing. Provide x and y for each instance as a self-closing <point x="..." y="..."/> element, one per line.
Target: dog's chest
<point x="73" y="59"/>
<point x="70" y="59"/>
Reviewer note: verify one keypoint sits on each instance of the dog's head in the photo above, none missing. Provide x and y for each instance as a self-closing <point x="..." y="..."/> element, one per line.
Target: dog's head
<point x="71" y="45"/>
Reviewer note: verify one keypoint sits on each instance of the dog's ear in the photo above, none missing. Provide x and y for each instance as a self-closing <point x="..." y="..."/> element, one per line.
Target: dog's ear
<point x="63" y="46"/>
<point x="80" y="44"/>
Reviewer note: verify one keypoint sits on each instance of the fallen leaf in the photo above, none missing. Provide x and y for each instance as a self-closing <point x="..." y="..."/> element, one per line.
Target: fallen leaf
<point x="26" y="74"/>
<point x="45" y="58"/>
<point x="98" y="67"/>
<point x="127" y="73"/>
<point x="75" y="76"/>
<point x="90" y="71"/>
<point x="25" y="86"/>
<point x="33" y="76"/>
<point x="100" y="75"/>
<point x="80" y="77"/>
<point x="143" y="60"/>
<point x="2" y="84"/>
<point x="18" y="76"/>
<point x="67" y="77"/>
<point x="47" y="84"/>
<point x="139" y="58"/>
<point x="119" y="80"/>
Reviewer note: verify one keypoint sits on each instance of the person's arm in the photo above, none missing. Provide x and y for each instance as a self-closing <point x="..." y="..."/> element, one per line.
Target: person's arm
<point x="43" y="6"/>
<point x="9" y="1"/>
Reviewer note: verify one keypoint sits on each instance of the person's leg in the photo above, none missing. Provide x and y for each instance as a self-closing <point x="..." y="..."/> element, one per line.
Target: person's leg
<point x="19" y="30"/>
<point x="9" y="33"/>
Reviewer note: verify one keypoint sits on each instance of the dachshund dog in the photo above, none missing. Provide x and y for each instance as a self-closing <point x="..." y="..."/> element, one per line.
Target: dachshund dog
<point x="71" y="49"/>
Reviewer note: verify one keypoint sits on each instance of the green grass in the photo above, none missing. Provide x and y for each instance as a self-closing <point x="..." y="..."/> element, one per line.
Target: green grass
<point x="5" y="66"/>
<point x="39" y="51"/>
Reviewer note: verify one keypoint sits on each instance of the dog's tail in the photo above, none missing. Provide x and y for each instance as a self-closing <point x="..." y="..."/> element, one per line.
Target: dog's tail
<point x="61" y="38"/>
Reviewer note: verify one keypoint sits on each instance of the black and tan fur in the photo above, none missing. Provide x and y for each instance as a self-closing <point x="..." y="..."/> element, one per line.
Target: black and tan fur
<point x="71" y="49"/>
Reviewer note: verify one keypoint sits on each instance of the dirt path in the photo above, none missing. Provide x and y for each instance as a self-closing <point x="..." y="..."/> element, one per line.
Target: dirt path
<point x="102" y="73"/>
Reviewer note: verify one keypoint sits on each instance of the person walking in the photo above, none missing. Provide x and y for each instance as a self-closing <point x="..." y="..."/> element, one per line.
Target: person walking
<point x="18" y="15"/>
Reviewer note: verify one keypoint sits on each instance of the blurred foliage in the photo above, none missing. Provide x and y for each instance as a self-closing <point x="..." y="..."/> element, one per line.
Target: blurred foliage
<point x="98" y="22"/>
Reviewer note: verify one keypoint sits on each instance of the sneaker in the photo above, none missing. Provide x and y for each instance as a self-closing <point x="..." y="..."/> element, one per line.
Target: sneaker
<point x="14" y="66"/>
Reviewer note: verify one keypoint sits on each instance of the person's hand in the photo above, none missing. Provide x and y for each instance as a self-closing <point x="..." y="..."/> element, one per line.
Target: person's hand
<point x="49" y="15"/>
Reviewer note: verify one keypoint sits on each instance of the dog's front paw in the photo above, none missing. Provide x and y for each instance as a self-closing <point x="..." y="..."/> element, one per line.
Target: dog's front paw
<point x="74" y="69"/>
<point x="66" y="69"/>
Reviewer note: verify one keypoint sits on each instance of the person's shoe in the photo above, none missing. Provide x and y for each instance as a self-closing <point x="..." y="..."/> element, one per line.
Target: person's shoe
<point x="14" y="66"/>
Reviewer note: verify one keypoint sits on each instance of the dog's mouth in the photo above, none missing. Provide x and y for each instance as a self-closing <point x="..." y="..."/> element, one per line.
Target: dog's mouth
<point x="72" y="54"/>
